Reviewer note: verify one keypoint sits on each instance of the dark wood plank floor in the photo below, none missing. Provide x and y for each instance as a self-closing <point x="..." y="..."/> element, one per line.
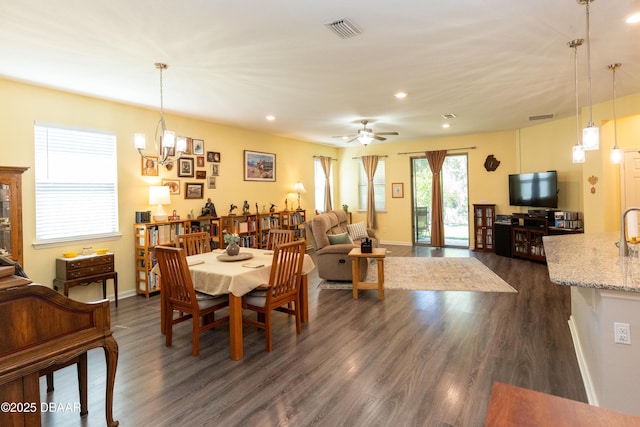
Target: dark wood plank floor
<point x="419" y="358"/>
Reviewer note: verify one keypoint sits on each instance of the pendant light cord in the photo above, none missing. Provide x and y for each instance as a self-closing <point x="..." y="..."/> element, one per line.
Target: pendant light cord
<point x="589" y="66"/>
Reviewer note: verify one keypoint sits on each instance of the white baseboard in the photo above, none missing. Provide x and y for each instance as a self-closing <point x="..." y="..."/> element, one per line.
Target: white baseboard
<point x="582" y="364"/>
<point x="387" y="242"/>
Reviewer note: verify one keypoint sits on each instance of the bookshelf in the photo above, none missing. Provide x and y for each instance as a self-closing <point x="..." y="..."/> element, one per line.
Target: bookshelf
<point x="146" y="237"/>
<point x="293" y="220"/>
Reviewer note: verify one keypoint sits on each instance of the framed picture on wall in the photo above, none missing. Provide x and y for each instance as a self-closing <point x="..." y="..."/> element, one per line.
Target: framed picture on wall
<point x="193" y="190"/>
<point x="397" y="190"/>
<point x="201" y="174"/>
<point x="185" y="167"/>
<point x="149" y="166"/>
<point x="173" y="184"/>
<point x="259" y="166"/>
<point x="198" y="146"/>
<point x="200" y="161"/>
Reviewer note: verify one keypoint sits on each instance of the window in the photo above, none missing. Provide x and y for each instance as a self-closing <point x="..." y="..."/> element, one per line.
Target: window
<point x="378" y="187"/>
<point x="76" y="179"/>
<point x="319" y="184"/>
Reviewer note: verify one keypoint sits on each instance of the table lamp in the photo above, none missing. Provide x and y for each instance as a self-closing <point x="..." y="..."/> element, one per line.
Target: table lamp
<point x="159" y="195"/>
<point x="299" y="188"/>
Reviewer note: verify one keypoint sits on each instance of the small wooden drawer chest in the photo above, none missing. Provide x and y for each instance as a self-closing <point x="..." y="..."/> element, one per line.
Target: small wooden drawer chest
<point x="83" y="270"/>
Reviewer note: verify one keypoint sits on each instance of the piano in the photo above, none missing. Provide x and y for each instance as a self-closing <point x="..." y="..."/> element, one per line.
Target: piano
<point x="40" y="331"/>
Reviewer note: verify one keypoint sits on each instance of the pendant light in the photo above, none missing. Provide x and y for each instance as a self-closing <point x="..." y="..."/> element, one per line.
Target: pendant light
<point x="578" y="149"/>
<point x="590" y="134"/>
<point x="165" y="140"/>
<point x="616" y="152"/>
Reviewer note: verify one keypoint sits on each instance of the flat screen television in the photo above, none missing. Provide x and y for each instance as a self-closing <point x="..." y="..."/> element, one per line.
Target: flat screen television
<point x="538" y="190"/>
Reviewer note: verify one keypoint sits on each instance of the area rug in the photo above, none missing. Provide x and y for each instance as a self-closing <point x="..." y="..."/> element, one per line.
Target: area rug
<point x="432" y="274"/>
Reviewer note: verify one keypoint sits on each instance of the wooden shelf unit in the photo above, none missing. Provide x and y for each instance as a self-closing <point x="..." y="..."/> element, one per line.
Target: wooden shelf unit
<point x="211" y="225"/>
<point x="484" y="217"/>
<point x="146" y="237"/>
<point x="266" y="222"/>
<point x="293" y="220"/>
<point x="526" y="236"/>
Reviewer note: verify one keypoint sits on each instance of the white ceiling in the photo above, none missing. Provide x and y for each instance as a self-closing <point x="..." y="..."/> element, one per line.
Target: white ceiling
<point x="493" y="63"/>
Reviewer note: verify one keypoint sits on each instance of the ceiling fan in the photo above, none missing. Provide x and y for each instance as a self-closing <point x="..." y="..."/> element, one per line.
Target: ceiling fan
<point x="366" y="135"/>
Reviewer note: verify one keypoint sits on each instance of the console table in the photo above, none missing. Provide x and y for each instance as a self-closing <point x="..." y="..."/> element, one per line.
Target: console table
<point x="86" y="269"/>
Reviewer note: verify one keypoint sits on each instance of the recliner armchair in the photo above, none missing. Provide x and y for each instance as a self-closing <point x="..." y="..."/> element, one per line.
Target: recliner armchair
<point x="333" y="260"/>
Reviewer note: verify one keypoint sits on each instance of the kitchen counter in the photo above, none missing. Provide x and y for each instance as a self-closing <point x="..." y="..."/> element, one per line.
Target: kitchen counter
<point x="605" y="291"/>
<point x="591" y="261"/>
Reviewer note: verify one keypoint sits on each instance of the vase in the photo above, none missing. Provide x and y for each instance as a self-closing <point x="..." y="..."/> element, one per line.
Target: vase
<point x="233" y="249"/>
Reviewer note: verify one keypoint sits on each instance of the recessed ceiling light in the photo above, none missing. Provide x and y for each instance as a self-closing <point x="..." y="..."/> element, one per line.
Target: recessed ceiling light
<point x="446" y="125"/>
<point x="270" y="117"/>
<point x="634" y="19"/>
<point x="400" y="95"/>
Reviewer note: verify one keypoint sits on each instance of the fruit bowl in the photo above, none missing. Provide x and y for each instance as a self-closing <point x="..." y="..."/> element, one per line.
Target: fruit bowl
<point x="102" y="251"/>
<point x="70" y="254"/>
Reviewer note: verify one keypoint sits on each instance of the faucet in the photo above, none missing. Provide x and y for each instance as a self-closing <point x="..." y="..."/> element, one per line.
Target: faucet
<point x="624" y="248"/>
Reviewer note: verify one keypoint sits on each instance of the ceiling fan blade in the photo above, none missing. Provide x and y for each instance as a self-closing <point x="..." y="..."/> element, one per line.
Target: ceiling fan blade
<point x="344" y="136"/>
<point x="352" y="139"/>
<point x="379" y="138"/>
<point x="387" y="133"/>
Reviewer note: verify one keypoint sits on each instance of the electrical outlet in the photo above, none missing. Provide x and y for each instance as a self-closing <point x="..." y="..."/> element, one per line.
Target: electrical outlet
<point x="622" y="333"/>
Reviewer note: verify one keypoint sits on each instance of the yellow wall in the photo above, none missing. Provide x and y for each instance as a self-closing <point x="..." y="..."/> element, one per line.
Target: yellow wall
<point x="542" y="147"/>
<point x="21" y="105"/>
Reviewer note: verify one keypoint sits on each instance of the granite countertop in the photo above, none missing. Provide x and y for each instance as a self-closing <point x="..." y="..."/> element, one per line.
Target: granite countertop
<point x="591" y="261"/>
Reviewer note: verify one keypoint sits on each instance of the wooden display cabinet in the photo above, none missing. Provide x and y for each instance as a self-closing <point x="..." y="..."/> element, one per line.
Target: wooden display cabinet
<point x="11" y="212"/>
<point x="526" y="236"/>
<point x="484" y="216"/>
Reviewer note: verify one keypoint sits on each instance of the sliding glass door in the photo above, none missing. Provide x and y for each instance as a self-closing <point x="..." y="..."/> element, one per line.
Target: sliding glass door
<point x="455" y="200"/>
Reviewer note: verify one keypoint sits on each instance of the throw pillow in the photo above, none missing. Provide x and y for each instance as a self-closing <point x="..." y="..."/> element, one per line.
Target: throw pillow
<point x="338" y="239"/>
<point x="357" y="231"/>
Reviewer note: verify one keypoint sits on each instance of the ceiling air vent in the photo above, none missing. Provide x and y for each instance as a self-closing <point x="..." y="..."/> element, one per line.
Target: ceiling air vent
<point x="449" y="116"/>
<point x="542" y="117"/>
<point x="343" y="28"/>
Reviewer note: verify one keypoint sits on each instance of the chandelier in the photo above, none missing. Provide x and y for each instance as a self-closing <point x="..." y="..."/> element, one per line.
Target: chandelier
<point x="165" y="142"/>
<point x="578" y="149"/>
<point x="616" y="153"/>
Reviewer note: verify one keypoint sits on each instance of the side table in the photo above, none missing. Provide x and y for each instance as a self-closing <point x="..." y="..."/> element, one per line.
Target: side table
<point x="86" y="269"/>
<point x="377" y="254"/>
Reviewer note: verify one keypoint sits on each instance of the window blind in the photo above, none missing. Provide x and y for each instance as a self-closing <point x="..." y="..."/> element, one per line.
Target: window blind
<point x="76" y="180"/>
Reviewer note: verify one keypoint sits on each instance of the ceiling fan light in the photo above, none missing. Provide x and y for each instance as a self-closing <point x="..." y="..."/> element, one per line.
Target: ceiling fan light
<point x="365" y="139"/>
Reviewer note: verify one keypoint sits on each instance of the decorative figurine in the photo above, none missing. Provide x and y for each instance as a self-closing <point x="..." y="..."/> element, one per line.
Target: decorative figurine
<point x="286" y="205"/>
<point x="272" y="209"/>
<point x="245" y="208"/>
<point x="231" y="209"/>
<point x="209" y="209"/>
<point x="264" y="209"/>
<point x="257" y="210"/>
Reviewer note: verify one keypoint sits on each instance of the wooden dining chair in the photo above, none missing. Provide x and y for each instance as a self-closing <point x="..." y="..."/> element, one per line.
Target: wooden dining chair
<point x="180" y="296"/>
<point x="283" y="288"/>
<point x="194" y="243"/>
<point x="277" y="237"/>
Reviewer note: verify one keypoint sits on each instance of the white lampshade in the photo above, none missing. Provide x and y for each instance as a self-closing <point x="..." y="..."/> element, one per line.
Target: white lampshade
<point x="591" y="138"/>
<point x="181" y="144"/>
<point x="299" y="187"/>
<point x="578" y="154"/>
<point x="159" y="195"/>
<point x="168" y="139"/>
<point x="139" y="140"/>
<point x="616" y="155"/>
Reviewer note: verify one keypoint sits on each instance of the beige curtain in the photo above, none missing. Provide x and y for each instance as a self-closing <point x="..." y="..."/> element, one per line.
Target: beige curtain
<point x="370" y="164"/>
<point x="436" y="159"/>
<point x="325" y="162"/>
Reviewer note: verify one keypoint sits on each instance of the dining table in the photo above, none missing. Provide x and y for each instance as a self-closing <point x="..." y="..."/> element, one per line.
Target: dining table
<point x="216" y="273"/>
